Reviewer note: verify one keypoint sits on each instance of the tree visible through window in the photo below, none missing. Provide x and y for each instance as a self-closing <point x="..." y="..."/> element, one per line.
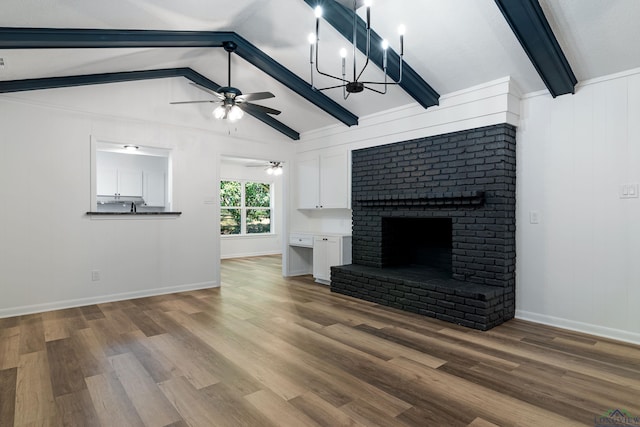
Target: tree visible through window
<point x="245" y="207"/>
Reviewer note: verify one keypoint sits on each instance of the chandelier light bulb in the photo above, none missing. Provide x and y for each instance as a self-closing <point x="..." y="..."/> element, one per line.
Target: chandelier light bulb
<point x="343" y="53"/>
<point x="270" y="170"/>
<point x="311" y="38"/>
<point x="368" y="3"/>
<point x="402" y="29"/>
<point x="318" y="11"/>
<point x="385" y="44"/>
<point x="277" y="171"/>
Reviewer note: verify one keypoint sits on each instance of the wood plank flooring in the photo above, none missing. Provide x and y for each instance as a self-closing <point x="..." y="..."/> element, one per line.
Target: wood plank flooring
<point x="268" y="351"/>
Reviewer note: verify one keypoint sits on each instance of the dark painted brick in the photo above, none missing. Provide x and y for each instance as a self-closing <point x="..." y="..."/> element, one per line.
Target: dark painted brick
<point x="483" y="247"/>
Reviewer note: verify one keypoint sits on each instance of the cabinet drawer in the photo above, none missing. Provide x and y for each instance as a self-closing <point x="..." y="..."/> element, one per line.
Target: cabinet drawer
<point x="304" y="240"/>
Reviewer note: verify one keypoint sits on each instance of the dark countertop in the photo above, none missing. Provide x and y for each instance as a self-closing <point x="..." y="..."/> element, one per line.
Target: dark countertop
<point x="134" y="213"/>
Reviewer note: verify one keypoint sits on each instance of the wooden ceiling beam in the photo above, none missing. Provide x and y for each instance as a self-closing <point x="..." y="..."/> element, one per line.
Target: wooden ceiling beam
<point x="55" y="38"/>
<point x="530" y="26"/>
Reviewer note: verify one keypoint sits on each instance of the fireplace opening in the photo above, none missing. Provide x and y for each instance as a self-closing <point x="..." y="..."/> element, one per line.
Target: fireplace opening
<point x="417" y="243"/>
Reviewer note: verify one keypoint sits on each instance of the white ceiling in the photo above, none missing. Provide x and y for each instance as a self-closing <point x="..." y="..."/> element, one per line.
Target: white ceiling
<point x="452" y="44"/>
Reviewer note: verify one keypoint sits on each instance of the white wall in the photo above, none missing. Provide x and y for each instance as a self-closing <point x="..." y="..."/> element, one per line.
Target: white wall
<point x="239" y="246"/>
<point x="578" y="268"/>
<point x="49" y="246"/>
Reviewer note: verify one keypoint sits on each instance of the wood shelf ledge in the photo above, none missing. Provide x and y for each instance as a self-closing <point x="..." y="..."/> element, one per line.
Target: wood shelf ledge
<point x="450" y="198"/>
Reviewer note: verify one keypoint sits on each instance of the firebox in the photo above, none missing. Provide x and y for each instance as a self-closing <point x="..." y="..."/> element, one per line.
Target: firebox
<point x="416" y="243"/>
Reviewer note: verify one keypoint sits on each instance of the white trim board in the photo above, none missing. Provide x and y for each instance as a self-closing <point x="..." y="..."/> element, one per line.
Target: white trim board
<point x="80" y="302"/>
<point x="250" y="254"/>
<point x="587" y="328"/>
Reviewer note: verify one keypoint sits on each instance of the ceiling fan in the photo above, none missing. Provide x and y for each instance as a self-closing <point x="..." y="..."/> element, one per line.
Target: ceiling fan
<point x="233" y="101"/>
<point x="272" y="167"/>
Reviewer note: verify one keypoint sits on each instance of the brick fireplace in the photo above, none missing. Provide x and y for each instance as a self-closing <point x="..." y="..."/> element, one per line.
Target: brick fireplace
<point x="434" y="227"/>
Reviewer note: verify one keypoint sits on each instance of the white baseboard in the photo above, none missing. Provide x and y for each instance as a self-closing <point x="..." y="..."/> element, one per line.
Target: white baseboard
<point x="588" y="328"/>
<point x="59" y="305"/>
<point x="249" y="254"/>
<point x="298" y="273"/>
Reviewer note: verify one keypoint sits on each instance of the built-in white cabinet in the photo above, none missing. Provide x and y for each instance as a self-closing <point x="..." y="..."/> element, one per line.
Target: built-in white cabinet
<point x="119" y="182"/>
<point x="323" y="181"/>
<point x="329" y="251"/>
<point x="154" y="188"/>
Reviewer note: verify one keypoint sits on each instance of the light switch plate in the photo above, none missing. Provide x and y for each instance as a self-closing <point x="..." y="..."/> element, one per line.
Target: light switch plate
<point x="534" y="217"/>
<point x="629" y="191"/>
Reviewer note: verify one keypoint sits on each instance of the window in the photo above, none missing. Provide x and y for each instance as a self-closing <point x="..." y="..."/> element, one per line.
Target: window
<point x="245" y="207"/>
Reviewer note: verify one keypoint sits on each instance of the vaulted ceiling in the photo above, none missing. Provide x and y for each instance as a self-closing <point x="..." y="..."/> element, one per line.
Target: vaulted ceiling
<point x="450" y="45"/>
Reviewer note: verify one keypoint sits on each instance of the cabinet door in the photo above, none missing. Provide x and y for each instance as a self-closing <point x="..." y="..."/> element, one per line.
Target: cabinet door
<point x="334" y="181"/>
<point x="154" y="188"/>
<point x="307" y="183"/>
<point x="327" y="252"/>
<point x="320" y="265"/>
<point x="130" y="182"/>
<point x="334" y="253"/>
<point x="107" y="182"/>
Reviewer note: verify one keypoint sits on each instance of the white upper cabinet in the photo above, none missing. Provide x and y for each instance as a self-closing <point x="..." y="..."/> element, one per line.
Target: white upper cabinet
<point x="107" y="182"/>
<point x="323" y="182"/>
<point x="119" y="182"/>
<point x="308" y="183"/>
<point x="130" y="182"/>
<point x="154" y="188"/>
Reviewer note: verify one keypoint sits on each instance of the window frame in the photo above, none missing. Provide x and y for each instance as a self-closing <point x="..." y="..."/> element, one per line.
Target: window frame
<point x="243" y="208"/>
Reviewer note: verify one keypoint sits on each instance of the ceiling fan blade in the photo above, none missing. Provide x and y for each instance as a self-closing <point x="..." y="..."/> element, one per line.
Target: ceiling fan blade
<point x="255" y="108"/>
<point x="193" y="102"/>
<point x="254" y="96"/>
<point x="209" y="91"/>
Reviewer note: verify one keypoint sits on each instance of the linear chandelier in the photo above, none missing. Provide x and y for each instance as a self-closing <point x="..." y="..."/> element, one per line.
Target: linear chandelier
<point x="355" y="85"/>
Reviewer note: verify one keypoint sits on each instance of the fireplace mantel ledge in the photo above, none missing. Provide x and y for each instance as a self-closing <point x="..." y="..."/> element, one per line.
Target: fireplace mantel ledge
<point x="450" y="198"/>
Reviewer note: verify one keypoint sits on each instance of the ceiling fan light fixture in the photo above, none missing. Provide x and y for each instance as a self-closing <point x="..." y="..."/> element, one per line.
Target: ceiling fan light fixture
<point x="275" y="168"/>
<point x="219" y="112"/>
<point x="235" y="113"/>
<point x="232" y="101"/>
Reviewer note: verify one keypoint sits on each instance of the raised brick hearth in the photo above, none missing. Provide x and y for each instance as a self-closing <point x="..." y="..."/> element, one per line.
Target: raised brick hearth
<point x="434" y="227"/>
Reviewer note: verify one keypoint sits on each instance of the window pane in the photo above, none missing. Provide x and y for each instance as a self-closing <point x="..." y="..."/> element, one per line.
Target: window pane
<point x="230" y="221"/>
<point x="230" y="193"/>
<point x="258" y="221"/>
<point x="257" y="195"/>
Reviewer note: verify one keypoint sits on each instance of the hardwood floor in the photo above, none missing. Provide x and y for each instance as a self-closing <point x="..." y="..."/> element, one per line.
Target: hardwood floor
<point x="264" y="351"/>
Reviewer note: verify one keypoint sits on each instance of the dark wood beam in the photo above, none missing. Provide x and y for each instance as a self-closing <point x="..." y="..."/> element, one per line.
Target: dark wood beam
<point x="128" y="76"/>
<point x="526" y="19"/>
<point x="55" y="38"/>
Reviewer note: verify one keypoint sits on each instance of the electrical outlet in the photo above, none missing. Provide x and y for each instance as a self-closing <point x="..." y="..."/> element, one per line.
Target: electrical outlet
<point x="95" y="275"/>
